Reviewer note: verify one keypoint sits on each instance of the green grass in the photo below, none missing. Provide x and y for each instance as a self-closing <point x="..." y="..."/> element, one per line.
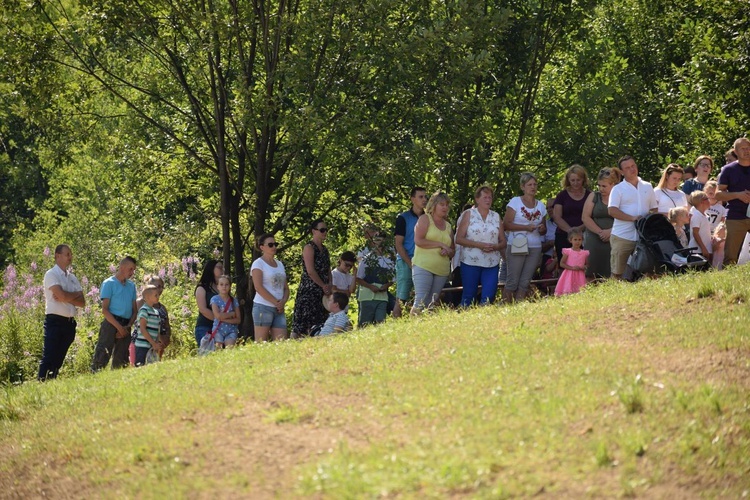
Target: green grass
<point x="625" y="389"/>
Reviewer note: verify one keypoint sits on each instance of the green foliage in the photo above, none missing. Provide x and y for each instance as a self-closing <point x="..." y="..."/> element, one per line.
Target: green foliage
<point x="166" y="130"/>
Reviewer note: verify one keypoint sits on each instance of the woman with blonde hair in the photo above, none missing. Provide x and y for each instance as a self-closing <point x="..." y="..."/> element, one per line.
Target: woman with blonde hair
<point x="431" y="264"/>
<point x="567" y="210"/>
<point x="667" y="192"/>
<point x="599" y="223"/>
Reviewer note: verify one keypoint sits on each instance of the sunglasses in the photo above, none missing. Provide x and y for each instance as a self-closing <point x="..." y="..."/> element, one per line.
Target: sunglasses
<point x="273" y="244"/>
<point x="322" y="229"/>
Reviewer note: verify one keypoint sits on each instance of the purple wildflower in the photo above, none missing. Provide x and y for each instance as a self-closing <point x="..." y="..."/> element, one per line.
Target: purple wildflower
<point x="33" y="266"/>
<point x="112" y="268"/>
<point x="46" y="251"/>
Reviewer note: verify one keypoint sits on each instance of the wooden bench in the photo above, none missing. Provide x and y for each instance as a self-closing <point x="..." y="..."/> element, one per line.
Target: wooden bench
<point x="546" y="286"/>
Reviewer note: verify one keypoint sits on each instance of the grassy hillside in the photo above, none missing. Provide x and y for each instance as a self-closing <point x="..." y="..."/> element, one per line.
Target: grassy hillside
<point x="623" y="389"/>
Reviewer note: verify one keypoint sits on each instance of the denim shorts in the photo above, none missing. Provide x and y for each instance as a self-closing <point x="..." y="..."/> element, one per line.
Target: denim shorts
<point x="268" y="316"/>
<point x="222" y="337"/>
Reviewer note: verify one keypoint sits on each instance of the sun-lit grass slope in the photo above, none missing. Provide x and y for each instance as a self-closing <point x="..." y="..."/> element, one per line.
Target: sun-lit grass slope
<point x="623" y="389"/>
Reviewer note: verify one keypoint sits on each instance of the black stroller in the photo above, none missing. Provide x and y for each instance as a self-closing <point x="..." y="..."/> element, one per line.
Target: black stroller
<point x="658" y="249"/>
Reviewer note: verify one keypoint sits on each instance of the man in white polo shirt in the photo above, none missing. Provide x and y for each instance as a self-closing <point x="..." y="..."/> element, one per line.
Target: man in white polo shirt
<point x="630" y="200"/>
<point x="62" y="294"/>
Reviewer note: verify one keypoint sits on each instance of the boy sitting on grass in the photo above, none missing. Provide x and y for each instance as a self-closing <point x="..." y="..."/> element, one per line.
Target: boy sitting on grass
<point x="337" y="321"/>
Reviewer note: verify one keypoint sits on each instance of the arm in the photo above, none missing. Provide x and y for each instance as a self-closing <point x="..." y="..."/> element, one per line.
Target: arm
<point x="700" y="243"/>
<point x="588" y="221"/>
<point x="60" y="295"/>
<point x="121" y="331"/>
<point x="542" y="226"/>
<point x="557" y="218"/>
<point x="359" y="280"/>
<point x="420" y="235"/>
<point x="618" y="214"/>
<point x="401" y="250"/>
<point x="722" y="194"/>
<point x="399" y="237"/>
<point x="502" y="243"/>
<point x="461" y="230"/>
<point x="308" y="258"/>
<point x="564" y="263"/>
<point x="257" y="275"/>
<point x="200" y="299"/>
<point x="156" y="344"/>
<point x="234" y="317"/>
<point x="510" y="214"/>
<point x="284" y="298"/>
<point x="134" y="314"/>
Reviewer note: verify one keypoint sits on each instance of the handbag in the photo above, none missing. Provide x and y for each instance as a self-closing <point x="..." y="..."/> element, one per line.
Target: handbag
<point x="152" y="356"/>
<point x="520" y="245"/>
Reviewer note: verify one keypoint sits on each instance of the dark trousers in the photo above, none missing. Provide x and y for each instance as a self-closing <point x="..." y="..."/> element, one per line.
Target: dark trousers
<point x="59" y="333"/>
<point x="140" y="355"/>
<point x="110" y="346"/>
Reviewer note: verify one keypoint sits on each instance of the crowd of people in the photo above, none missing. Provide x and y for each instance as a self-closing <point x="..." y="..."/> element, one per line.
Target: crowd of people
<point x="579" y="236"/>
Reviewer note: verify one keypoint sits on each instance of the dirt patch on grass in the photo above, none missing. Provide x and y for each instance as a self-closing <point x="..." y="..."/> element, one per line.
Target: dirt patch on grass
<point x="263" y="444"/>
<point x="254" y="450"/>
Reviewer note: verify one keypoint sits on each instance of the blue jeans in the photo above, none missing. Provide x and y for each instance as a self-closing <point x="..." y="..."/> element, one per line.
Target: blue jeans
<point x="200" y="332"/>
<point x="472" y="276"/>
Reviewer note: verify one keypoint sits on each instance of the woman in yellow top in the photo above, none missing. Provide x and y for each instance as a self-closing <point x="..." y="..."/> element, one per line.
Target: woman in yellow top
<point x="431" y="264"/>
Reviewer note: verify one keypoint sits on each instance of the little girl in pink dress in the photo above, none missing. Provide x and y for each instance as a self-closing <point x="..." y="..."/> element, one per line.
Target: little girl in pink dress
<point x="573" y="263"/>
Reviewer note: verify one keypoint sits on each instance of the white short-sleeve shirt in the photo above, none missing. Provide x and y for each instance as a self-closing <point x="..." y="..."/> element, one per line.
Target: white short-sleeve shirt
<point x="666" y="199"/>
<point x="700" y="221"/>
<point x="525" y="216"/>
<point x="342" y="281"/>
<point x="632" y="200"/>
<point x="715" y="214"/>
<point x="68" y="282"/>
<point x="274" y="279"/>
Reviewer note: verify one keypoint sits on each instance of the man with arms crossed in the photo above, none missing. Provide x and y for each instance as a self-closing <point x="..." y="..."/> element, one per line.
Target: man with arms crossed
<point x="630" y="200"/>
<point x="118" y="305"/>
<point x="734" y="188"/>
<point x="62" y="294"/>
<point x="405" y="243"/>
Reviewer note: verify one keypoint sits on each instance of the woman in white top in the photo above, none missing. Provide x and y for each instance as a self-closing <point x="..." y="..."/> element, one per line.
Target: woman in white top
<point x="481" y="236"/>
<point x="524" y="218"/>
<point x="271" y="292"/>
<point x="667" y="192"/>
